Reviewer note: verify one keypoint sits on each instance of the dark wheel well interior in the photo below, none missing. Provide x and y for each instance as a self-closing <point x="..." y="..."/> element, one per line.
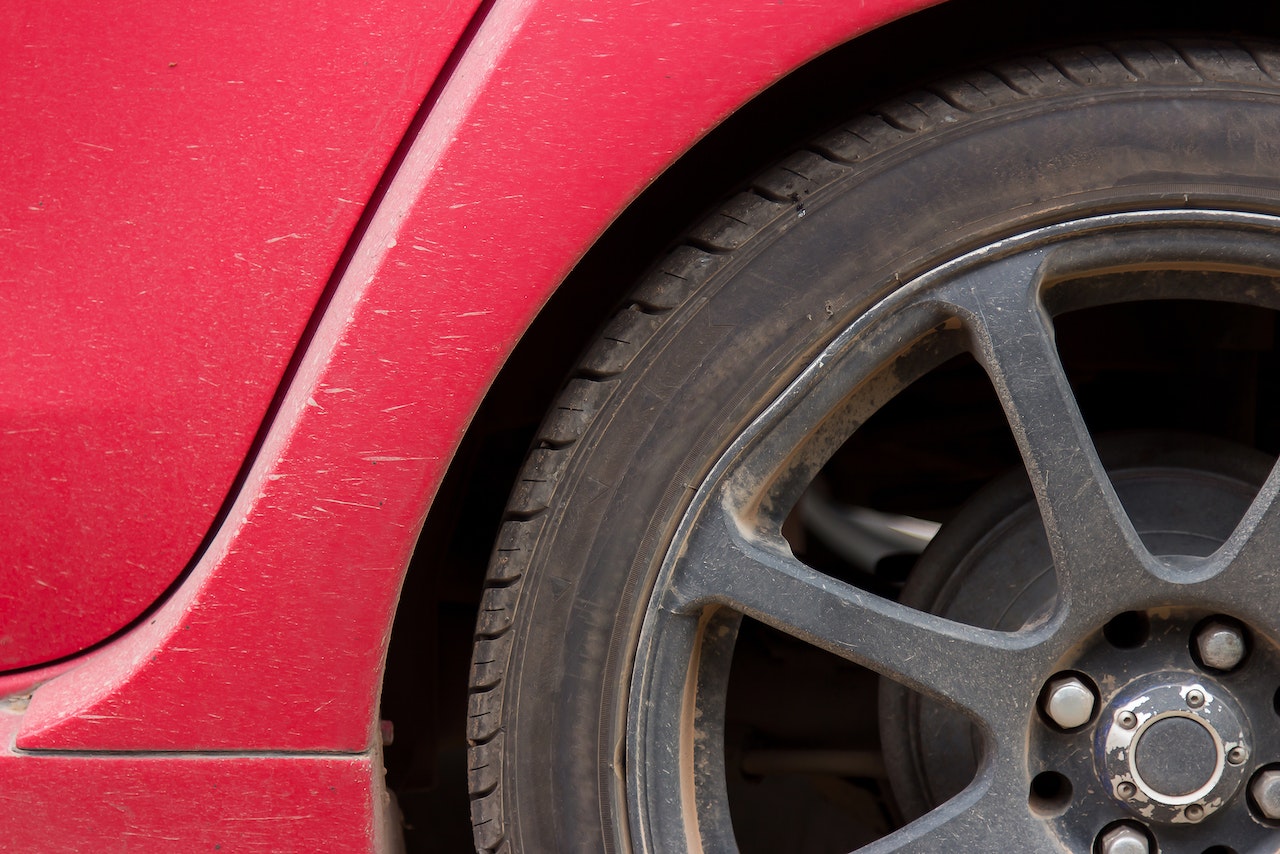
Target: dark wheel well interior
<point x="425" y="686"/>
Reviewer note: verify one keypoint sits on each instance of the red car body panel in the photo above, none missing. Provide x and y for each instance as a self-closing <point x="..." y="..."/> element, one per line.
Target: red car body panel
<point x="74" y="803"/>
<point x="179" y="184"/>
<point x="556" y="116"/>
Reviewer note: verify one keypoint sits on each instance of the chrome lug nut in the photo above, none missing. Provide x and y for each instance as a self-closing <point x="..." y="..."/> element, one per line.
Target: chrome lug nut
<point x="1221" y="645"/>
<point x="1068" y="702"/>
<point x="1124" y="839"/>
<point x="1265" y="789"/>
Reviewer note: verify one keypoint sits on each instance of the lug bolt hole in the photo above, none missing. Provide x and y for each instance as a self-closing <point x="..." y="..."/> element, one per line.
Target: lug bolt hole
<point x="1128" y="630"/>
<point x="1050" y="794"/>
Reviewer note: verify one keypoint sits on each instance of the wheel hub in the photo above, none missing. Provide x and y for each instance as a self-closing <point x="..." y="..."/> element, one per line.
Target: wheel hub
<point x="1165" y="747"/>
<point x="997" y="543"/>
<point x="1178" y="717"/>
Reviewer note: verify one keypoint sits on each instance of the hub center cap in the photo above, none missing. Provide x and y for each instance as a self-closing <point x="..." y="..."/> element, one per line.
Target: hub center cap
<point x="1176" y="756"/>
<point x="1172" y="750"/>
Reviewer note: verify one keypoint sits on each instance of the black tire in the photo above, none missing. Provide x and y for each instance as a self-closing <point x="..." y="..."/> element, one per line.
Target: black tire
<point x="716" y="332"/>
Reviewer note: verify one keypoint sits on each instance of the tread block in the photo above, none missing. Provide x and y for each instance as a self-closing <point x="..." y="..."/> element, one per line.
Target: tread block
<point x="859" y="139"/>
<point x="1225" y="62"/>
<point x="1091" y="65"/>
<point x="579" y="402"/>
<point x="488" y="663"/>
<point x="978" y="91"/>
<point x="1037" y="77"/>
<point x="799" y="176"/>
<point x="668" y="286"/>
<point x="514" y="548"/>
<point x="621" y="340"/>
<point x="736" y="222"/>
<point x="1158" y="62"/>
<point x="497" y="609"/>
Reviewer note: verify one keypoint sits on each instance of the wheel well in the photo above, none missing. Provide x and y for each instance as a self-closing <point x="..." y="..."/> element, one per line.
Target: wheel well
<point x="425" y="685"/>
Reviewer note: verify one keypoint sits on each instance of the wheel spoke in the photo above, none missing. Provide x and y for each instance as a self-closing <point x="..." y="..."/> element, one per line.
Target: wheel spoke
<point x="989" y="809"/>
<point x="1247" y="563"/>
<point x="1090" y="535"/>
<point x="989" y="674"/>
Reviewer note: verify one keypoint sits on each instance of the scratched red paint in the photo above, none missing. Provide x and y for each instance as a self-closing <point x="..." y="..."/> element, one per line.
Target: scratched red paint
<point x="72" y="804"/>
<point x="558" y="115"/>
<point x="178" y="186"/>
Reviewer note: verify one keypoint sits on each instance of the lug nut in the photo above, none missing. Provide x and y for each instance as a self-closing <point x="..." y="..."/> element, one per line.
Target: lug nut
<point x="1265" y="789"/>
<point x="1068" y="702"/>
<point x="1221" y="645"/>
<point x="1124" y="839"/>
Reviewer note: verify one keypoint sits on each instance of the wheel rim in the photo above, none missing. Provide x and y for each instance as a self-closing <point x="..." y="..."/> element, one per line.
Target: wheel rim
<point x="729" y="557"/>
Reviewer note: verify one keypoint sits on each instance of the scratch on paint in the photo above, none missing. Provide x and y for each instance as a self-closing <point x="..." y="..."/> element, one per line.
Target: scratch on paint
<point x="350" y="503"/>
<point x="478" y="201"/>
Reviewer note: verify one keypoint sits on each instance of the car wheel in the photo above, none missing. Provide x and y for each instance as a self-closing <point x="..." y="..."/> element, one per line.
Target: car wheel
<point x="1085" y="656"/>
